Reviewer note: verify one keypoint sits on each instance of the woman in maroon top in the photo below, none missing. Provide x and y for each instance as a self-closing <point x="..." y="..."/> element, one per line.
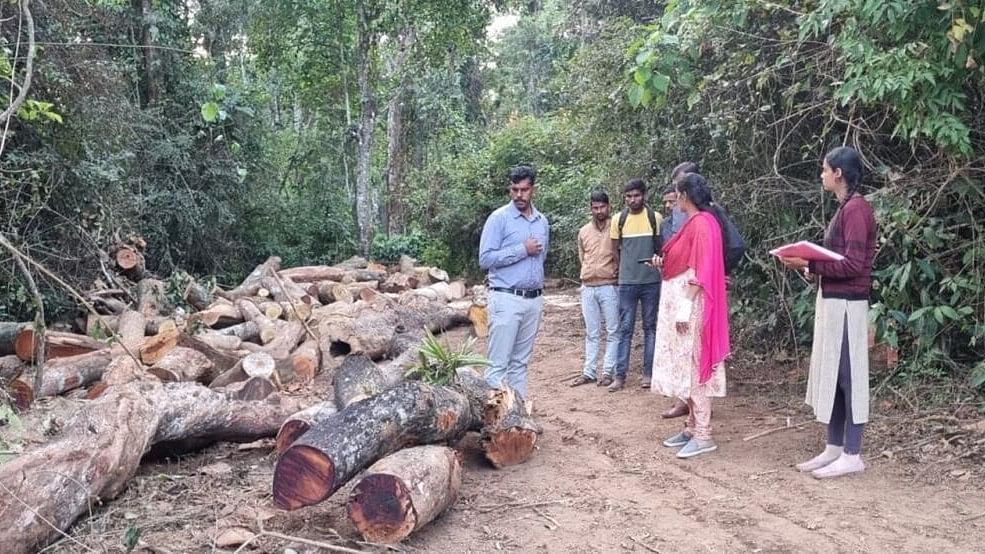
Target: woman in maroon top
<point x="838" y="384"/>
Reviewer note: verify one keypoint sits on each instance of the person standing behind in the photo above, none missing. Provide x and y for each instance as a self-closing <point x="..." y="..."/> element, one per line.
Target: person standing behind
<point x="636" y="234"/>
<point x="838" y="383"/>
<point x="693" y="334"/>
<point x="512" y="249"/>
<point x="599" y="298"/>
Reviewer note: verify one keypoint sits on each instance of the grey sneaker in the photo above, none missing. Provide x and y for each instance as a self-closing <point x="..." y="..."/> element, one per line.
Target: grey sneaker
<point x="617" y="384"/>
<point x="695" y="447"/>
<point x="678" y="440"/>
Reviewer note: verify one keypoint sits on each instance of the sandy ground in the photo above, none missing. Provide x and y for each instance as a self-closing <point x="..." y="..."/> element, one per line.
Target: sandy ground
<point x="599" y="482"/>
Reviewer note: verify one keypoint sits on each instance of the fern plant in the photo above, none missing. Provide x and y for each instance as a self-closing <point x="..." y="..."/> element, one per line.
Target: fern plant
<point x="438" y="363"/>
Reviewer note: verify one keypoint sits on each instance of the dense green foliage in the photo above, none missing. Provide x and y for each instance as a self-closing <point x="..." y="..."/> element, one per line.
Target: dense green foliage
<point x="228" y="130"/>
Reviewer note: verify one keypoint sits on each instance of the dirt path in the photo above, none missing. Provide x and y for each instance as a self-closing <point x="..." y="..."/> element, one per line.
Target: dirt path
<point x="600" y="482"/>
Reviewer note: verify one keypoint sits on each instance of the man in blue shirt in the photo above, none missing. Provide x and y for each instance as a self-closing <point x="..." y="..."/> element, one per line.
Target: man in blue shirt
<point x="512" y="249"/>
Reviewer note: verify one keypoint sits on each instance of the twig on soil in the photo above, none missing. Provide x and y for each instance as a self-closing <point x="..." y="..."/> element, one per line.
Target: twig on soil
<point x="273" y="534"/>
<point x="42" y="518"/>
<point x="518" y="505"/>
<point x="643" y="544"/>
<point x="548" y="518"/>
<point x="775" y="430"/>
<point x="974" y="517"/>
<point x="152" y="548"/>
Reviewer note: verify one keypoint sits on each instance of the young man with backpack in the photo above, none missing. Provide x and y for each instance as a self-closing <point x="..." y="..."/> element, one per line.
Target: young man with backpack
<point x="636" y="235"/>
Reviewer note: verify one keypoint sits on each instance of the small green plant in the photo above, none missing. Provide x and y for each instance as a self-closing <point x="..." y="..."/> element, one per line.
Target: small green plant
<point x="438" y="363"/>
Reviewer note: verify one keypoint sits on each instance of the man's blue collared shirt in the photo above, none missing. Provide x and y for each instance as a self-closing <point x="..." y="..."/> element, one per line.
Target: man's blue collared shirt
<point x="501" y="249"/>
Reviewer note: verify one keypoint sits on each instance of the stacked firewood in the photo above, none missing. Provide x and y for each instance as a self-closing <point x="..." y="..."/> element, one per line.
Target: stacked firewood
<point x="141" y="375"/>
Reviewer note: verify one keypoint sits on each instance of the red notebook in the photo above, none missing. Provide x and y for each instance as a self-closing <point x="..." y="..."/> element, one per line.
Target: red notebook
<point x="808" y="251"/>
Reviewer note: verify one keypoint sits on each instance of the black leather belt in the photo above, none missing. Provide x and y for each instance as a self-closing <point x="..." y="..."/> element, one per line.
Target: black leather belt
<point x="525" y="293"/>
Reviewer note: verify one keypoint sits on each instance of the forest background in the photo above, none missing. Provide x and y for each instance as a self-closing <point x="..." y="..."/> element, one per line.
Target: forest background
<point x="224" y="131"/>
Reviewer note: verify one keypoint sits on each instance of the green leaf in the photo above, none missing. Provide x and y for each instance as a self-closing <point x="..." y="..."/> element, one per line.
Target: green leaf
<point x="210" y="112"/>
<point x="660" y="82"/>
<point x="642" y="75"/>
<point x="950" y="312"/>
<point x="635" y="94"/>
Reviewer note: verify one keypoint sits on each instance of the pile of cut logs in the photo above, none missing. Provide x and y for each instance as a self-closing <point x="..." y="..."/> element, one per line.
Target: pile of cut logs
<point x="144" y="376"/>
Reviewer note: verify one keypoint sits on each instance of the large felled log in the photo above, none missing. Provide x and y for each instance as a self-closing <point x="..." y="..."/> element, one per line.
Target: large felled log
<point x="181" y="364"/>
<point x="356" y="379"/>
<point x="330" y="291"/>
<point x="221" y="361"/>
<point x="219" y="315"/>
<point x="99" y="450"/>
<point x="252" y="313"/>
<point x="57" y="344"/>
<point x="64" y="374"/>
<point x="254" y="388"/>
<point x="369" y="327"/>
<point x="329" y="455"/>
<point x="403" y="492"/>
<point x="196" y="295"/>
<point x="151" y="297"/>
<point x="8" y="336"/>
<point x="508" y="434"/>
<point x="252" y="283"/>
<point x="285" y="290"/>
<point x="246" y="331"/>
<point x="299" y="423"/>
<point x="129" y="261"/>
<point x="313" y="273"/>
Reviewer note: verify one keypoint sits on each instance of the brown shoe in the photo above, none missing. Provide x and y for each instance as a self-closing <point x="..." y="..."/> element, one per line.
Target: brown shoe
<point x="645" y="383"/>
<point x="582" y="380"/>
<point x="617" y="384"/>
<point x="679" y="409"/>
<point x="605" y="381"/>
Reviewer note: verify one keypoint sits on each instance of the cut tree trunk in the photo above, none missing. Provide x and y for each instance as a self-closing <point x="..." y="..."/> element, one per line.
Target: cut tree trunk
<point x="131" y="327"/>
<point x="313" y="273"/>
<point x="356" y="379"/>
<point x="219" y="315"/>
<point x="330" y="291"/>
<point x="57" y="344"/>
<point x="100" y="447"/>
<point x="221" y="361"/>
<point x="151" y="297"/>
<point x="246" y="331"/>
<point x="285" y="290"/>
<point x="295" y="311"/>
<point x="222" y="342"/>
<point x="306" y="361"/>
<point x="64" y="374"/>
<point x="480" y="320"/>
<point x="252" y="284"/>
<point x="254" y="388"/>
<point x="456" y="290"/>
<point x="273" y="310"/>
<point x="299" y="423"/>
<point x="508" y="434"/>
<point x="130" y="262"/>
<point x="329" y="455"/>
<point x="403" y="492"/>
<point x="196" y="295"/>
<point x="108" y="306"/>
<point x="252" y="313"/>
<point x="181" y="364"/>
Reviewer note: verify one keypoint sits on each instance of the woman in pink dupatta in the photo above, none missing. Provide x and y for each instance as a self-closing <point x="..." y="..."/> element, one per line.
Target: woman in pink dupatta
<point x="692" y="330"/>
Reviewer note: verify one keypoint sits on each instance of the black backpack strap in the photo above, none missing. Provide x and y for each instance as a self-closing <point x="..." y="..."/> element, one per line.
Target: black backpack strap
<point x="622" y="220"/>
<point x="652" y="216"/>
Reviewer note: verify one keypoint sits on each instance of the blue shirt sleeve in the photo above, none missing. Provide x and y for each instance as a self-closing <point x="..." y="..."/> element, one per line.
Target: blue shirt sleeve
<point x="492" y="252"/>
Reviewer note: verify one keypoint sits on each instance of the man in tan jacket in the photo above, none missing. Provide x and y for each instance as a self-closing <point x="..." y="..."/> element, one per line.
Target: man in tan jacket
<point x="599" y="296"/>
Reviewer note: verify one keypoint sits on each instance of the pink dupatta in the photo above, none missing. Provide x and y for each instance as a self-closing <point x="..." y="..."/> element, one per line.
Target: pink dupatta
<point x="698" y="245"/>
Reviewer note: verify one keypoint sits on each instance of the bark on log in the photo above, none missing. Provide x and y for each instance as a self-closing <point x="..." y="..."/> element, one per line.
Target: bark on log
<point x="181" y="364"/>
<point x="254" y="388"/>
<point x="403" y="492"/>
<point x="218" y="316"/>
<point x="196" y="295"/>
<point x="131" y="327"/>
<point x="299" y="423"/>
<point x="108" y="306"/>
<point x="480" y="320"/>
<point x="64" y="374"/>
<point x="437" y="274"/>
<point x="329" y="455"/>
<point x="273" y="310"/>
<point x="356" y="379"/>
<point x="100" y="448"/>
<point x="330" y="291"/>
<point x="295" y="311"/>
<point x="313" y="273"/>
<point x="508" y="434"/>
<point x="222" y="342"/>
<point x="11" y="367"/>
<point x="252" y="313"/>
<point x="151" y="298"/>
<point x="456" y="290"/>
<point x="285" y="290"/>
<point x="57" y="344"/>
<point x="398" y="282"/>
<point x="251" y="284"/>
<point x="8" y="336"/>
<point x="246" y="331"/>
<point x="221" y="361"/>
<point x="129" y="261"/>
<point x="306" y="361"/>
<point x="355" y="262"/>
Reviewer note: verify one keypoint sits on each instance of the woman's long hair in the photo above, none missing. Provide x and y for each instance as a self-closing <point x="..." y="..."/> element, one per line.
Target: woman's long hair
<point x="696" y="188"/>
<point x="848" y="160"/>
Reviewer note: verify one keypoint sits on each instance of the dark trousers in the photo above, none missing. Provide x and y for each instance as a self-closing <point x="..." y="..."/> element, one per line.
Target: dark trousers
<point x="842" y="430"/>
<point x="647" y="296"/>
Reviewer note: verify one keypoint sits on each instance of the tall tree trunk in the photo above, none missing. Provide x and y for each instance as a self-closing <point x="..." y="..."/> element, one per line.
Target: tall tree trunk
<point x="367" y="123"/>
<point x="394" y="218"/>
<point x="149" y="79"/>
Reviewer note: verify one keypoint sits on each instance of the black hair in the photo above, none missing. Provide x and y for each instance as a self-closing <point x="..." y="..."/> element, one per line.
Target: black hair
<point x="635" y="184"/>
<point x="684" y="167"/>
<point x="848" y="160"/>
<point x="600" y="196"/>
<point x="697" y="190"/>
<point x="521" y="172"/>
<point x="671" y="189"/>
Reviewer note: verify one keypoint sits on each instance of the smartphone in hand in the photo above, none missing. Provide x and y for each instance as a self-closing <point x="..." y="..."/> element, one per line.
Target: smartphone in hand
<point x="644" y="260"/>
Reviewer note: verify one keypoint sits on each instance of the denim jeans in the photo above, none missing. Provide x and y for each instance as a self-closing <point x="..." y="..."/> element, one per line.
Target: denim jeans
<point x="648" y="297"/>
<point x="600" y="308"/>
<point x="513" y="324"/>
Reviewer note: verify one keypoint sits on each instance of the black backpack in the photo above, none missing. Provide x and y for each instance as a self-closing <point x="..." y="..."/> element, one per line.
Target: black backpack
<point x="652" y="216"/>
<point x="733" y="245"/>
